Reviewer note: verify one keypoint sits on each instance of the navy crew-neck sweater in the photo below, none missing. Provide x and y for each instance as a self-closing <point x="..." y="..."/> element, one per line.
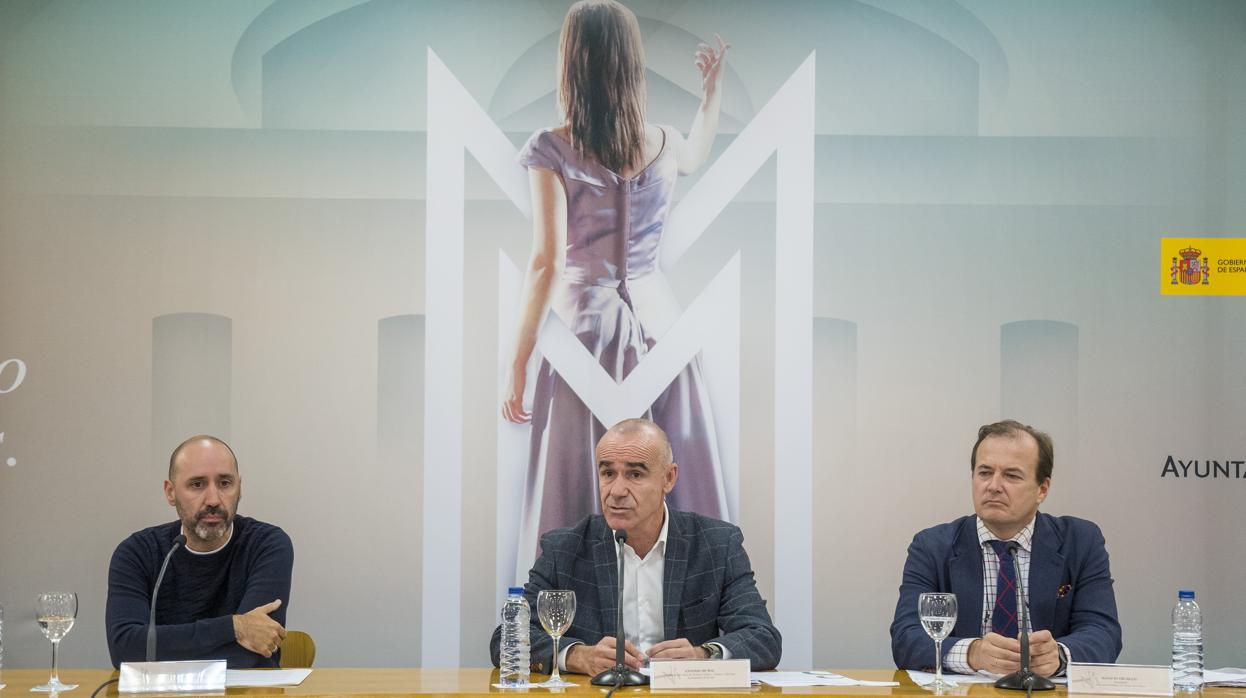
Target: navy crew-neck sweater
<point x="199" y="595"/>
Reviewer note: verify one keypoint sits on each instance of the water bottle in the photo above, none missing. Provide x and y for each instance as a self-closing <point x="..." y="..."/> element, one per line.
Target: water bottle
<point x="1187" y="643"/>
<point x="516" y="617"/>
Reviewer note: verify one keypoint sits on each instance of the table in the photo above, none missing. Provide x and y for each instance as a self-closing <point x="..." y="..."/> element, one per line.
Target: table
<point x="360" y="683"/>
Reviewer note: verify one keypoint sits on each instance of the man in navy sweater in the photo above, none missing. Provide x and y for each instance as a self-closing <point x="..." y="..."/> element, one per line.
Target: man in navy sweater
<point x="226" y="590"/>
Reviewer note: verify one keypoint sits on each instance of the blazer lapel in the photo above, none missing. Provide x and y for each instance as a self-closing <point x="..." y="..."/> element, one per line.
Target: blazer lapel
<point x="1046" y="567"/>
<point x="674" y="571"/>
<point x="606" y="567"/>
<point x="965" y="579"/>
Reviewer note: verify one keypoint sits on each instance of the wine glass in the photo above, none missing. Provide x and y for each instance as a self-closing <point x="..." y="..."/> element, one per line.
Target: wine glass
<point x="938" y="615"/>
<point x="556" y="609"/>
<point x="55" y="613"/>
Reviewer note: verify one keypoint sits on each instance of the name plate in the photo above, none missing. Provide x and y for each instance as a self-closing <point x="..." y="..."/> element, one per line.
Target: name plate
<point x="699" y="673"/>
<point x="204" y="676"/>
<point x="1120" y="679"/>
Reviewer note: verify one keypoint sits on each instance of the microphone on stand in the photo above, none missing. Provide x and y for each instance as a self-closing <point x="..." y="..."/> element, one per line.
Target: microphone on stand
<point x="151" y="625"/>
<point x="620" y="675"/>
<point x="1023" y="679"/>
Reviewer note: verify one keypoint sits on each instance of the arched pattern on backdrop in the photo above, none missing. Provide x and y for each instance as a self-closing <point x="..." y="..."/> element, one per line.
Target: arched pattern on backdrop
<point x="840" y="476"/>
<point x="399" y="444"/>
<point x="191" y="376"/>
<point x="1038" y="383"/>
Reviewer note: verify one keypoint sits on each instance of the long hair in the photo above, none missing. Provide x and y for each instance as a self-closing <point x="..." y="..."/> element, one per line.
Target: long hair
<point x="601" y="83"/>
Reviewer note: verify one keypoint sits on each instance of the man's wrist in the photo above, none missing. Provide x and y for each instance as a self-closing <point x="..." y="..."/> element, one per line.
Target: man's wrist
<point x="566" y="658"/>
<point x="971" y="654"/>
<point x="1064" y="659"/>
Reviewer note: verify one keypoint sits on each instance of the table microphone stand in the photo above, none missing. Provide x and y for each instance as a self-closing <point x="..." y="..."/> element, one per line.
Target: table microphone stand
<point x="1023" y="679"/>
<point x="620" y="675"/>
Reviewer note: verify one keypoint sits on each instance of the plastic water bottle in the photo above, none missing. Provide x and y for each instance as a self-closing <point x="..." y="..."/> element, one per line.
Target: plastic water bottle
<point x="1187" y="643"/>
<point x="516" y="617"/>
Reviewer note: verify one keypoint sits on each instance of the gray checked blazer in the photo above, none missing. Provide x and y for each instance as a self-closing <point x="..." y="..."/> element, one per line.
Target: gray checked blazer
<point x="708" y="592"/>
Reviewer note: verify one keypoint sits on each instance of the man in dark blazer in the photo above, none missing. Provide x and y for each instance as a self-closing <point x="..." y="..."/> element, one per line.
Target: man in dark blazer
<point x="1065" y="573"/>
<point x="706" y="604"/>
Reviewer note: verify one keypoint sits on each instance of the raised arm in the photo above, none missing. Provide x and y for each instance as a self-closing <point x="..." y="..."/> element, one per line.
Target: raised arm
<point x="693" y="150"/>
<point x="549" y="255"/>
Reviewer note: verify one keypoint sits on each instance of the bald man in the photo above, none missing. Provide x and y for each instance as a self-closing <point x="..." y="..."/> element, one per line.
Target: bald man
<point x="688" y="589"/>
<point x="225" y="593"/>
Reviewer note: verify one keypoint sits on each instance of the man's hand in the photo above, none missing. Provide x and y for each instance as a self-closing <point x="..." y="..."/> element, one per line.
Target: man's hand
<point x="594" y="659"/>
<point x="996" y="653"/>
<point x="1044" y="653"/>
<point x="256" y="632"/>
<point x="678" y="648"/>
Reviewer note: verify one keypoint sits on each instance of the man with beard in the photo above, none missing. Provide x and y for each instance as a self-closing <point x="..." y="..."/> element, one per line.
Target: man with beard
<point x="225" y="593"/>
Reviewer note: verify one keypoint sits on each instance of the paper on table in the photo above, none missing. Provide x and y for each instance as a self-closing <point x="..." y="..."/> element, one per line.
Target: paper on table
<point x="238" y="678"/>
<point x="811" y="678"/>
<point x="1228" y="676"/>
<point x="922" y="678"/>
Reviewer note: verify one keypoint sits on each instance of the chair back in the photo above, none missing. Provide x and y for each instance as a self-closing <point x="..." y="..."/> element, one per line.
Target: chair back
<point x="298" y="651"/>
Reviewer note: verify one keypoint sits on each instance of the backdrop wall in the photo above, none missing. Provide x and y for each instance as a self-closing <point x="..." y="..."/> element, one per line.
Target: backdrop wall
<point x="215" y="217"/>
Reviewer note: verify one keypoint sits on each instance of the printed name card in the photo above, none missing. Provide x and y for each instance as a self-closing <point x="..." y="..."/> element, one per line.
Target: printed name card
<point x="198" y="676"/>
<point x="699" y="673"/>
<point x="1120" y="679"/>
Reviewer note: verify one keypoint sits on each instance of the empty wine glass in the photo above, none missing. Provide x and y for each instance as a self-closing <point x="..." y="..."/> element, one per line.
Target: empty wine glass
<point x="938" y="615"/>
<point x="55" y="612"/>
<point x="556" y="609"/>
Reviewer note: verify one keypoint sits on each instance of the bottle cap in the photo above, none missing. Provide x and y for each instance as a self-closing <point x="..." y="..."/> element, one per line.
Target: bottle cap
<point x="518" y="591"/>
<point x="1185" y="594"/>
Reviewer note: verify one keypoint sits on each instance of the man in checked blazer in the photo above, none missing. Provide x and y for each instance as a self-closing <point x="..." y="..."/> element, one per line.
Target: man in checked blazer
<point x="1064" y="567"/>
<point x="689" y="589"/>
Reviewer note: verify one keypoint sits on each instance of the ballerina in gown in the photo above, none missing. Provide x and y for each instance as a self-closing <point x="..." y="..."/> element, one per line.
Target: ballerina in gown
<point x="602" y="185"/>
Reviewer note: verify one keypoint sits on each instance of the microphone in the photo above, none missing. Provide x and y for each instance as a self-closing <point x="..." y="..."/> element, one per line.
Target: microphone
<point x="1023" y="679"/>
<point x="620" y="675"/>
<point x="151" y="625"/>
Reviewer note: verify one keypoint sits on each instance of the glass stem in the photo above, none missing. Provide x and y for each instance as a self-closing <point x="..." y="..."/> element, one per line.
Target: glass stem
<point x="554" y="675"/>
<point x="939" y="662"/>
<point x="56" y="674"/>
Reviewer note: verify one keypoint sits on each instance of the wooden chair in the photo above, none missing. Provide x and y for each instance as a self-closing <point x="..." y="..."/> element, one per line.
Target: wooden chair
<point x="298" y="651"/>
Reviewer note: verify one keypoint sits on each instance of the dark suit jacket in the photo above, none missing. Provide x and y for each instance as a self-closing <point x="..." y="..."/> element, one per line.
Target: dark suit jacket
<point x="708" y="592"/>
<point x="1070" y="591"/>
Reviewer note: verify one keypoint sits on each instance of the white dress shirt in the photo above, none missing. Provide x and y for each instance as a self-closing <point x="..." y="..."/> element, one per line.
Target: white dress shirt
<point x="957" y="658"/>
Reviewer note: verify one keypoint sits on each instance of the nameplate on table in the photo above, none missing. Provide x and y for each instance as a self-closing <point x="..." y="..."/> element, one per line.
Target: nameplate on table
<point x="1120" y="679"/>
<point x="699" y="673"/>
<point x="203" y="676"/>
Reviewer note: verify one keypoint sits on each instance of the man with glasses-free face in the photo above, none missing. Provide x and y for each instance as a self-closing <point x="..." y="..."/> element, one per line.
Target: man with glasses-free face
<point x="1063" y="562"/>
<point x="689" y="590"/>
<point x="225" y="592"/>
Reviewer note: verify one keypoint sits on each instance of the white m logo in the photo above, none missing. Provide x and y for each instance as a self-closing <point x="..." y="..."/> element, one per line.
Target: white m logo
<point x="784" y="126"/>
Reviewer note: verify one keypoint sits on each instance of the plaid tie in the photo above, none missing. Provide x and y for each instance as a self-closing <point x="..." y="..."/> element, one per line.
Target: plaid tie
<point x="1004" y="615"/>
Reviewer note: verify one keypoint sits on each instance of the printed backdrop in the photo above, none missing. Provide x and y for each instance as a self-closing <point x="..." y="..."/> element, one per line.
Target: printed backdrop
<point x="299" y="226"/>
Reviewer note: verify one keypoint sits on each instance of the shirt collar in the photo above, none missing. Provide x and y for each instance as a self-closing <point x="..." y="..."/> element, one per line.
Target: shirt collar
<point x="666" y="524"/>
<point x="1023" y="537"/>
